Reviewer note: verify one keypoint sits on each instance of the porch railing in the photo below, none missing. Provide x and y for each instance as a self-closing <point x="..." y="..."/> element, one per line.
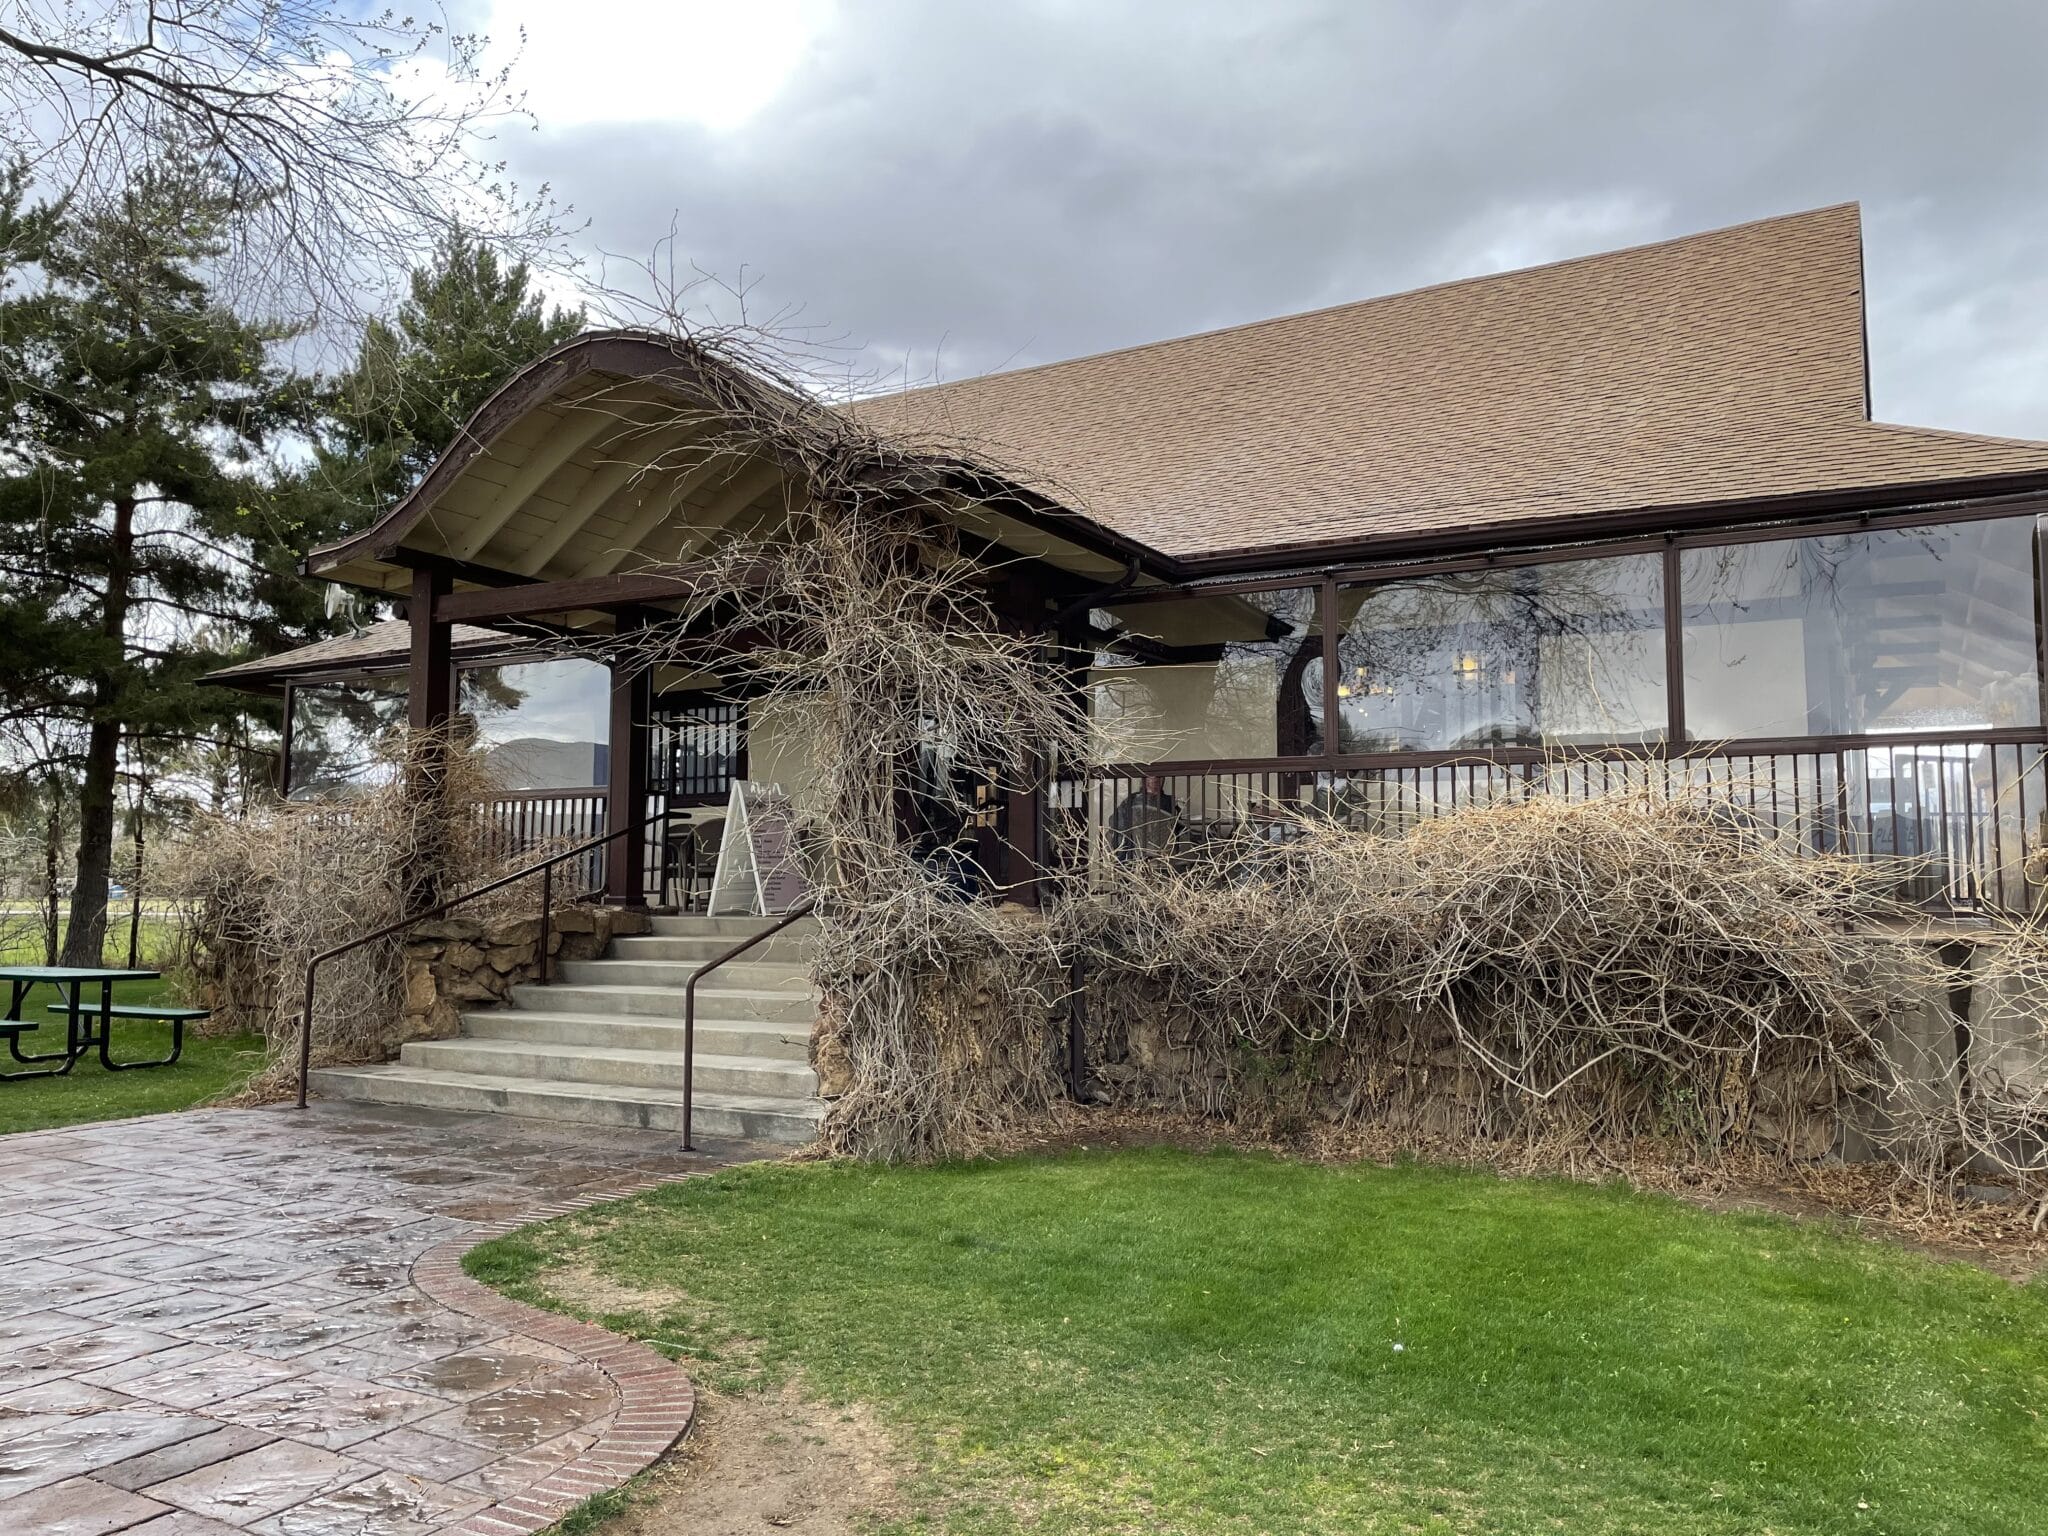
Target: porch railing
<point x="520" y="821"/>
<point x="1965" y="813"/>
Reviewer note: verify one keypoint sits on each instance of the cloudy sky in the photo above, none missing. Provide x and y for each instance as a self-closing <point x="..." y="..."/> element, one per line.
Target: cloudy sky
<point x="956" y="187"/>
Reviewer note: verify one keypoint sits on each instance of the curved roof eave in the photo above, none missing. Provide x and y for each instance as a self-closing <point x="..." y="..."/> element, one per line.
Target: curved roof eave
<point x="667" y="362"/>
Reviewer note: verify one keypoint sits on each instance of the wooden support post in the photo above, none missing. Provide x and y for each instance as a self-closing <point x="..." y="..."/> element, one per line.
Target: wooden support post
<point x="1023" y="838"/>
<point x="430" y="684"/>
<point x="430" y="706"/>
<point x="625" y="861"/>
<point x="1021" y="601"/>
<point x="282" y="779"/>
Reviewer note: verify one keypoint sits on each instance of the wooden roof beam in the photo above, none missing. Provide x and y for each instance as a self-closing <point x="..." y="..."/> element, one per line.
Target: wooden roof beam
<point x="745" y="486"/>
<point x="455" y="570"/>
<point x="594" y="594"/>
<point x="611" y="480"/>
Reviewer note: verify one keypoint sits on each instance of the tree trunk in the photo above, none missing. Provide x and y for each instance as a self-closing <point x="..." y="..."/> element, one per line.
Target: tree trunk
<point x="85" y="938"/>
<point x="53" y="836"/>
<point x="135" y="887"/>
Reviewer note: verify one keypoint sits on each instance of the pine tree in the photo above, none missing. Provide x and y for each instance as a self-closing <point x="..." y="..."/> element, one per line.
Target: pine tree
<point x="469" y="323"/>
<point x="134" y="508"/>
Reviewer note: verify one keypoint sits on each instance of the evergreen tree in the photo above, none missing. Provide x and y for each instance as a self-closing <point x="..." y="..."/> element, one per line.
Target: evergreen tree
<point x="469" y="323"/>
<point x="145" y="536"/>
<point x="135" y="520"/>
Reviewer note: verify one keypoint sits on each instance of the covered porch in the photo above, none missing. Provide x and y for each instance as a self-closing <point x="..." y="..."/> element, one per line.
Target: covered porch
<point x="1868" y="685"/>
<point x="542" y="724"/>
<point x="1863" y="676"/>
<point x="587" y="503"/>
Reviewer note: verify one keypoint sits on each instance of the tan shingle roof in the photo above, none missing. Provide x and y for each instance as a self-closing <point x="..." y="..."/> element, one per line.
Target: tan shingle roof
<point x="1720" y="367"/>
<point x="386" y="642"/>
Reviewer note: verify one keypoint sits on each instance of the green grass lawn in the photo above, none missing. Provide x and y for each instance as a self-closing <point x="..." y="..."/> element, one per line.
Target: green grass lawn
<point x="1170" y="1341"/>
<point x="207" y="1069"/>
<point x="21" y="937"/>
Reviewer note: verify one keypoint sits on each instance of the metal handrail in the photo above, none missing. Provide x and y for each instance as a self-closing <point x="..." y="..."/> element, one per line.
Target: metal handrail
<point x="545" y="868"/>
<point x="801" y="909"/>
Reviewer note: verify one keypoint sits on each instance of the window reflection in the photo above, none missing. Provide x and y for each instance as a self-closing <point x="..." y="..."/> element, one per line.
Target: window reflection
<point x="542" y="724"/>
<point x="337" y="730"/>
<point x="1569" y="652"/>
<point x="1228" y="676"/>
<point x="1902" y="629"/>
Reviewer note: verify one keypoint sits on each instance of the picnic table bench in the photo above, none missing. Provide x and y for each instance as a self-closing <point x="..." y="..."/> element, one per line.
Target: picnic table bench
<point x="86" y="1023"/>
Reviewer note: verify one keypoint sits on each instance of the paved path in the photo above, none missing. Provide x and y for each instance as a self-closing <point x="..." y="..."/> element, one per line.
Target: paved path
<point x="256" y="1320"/>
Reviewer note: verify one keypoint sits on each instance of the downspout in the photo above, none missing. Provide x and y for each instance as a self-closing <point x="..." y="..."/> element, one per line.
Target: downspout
<point x="1088" y="600"/>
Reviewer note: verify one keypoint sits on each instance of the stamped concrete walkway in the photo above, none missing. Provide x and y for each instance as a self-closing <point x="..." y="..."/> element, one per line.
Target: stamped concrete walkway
<point x="256" y="1320"/>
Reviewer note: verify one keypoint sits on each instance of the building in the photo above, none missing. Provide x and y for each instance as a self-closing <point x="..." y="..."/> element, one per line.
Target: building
<point x="1563" y="528"/>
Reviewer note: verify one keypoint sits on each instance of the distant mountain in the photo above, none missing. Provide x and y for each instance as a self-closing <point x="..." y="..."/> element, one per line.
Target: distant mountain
<point x="533" y="762"/>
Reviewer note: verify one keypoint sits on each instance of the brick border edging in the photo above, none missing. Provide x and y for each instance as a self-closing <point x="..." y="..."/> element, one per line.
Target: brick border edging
<point x="656" y="1398"/>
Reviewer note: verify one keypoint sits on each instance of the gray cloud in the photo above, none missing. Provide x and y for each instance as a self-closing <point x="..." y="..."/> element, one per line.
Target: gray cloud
<point x="977" y="186"/>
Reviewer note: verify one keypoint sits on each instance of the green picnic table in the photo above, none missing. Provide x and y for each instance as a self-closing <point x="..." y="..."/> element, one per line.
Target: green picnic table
<point x="86" y="1024"/>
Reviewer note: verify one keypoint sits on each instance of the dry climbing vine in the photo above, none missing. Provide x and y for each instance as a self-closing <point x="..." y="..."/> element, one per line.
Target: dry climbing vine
<point x="1538" y="973"/>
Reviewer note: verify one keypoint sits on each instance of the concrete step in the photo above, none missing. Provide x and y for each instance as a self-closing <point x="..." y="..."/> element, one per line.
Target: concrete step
<point x="613" y="1065"/>
<point x="640" y="1032"/>
<point x="786" y="1005"/>
<point x="717" y="1115"/>
<point x="737" y="927"/>
<point x="751" y="975"/>
<point x="695" y="949"/>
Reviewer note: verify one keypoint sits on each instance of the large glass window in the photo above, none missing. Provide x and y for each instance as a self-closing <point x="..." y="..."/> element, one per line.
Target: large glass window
<point x="1565" y="653"/>
<point x="1228" y="676"/>
<point x="337" y="730"/>
<point x="543" y="724"/>
<point x="1902" y="629"/>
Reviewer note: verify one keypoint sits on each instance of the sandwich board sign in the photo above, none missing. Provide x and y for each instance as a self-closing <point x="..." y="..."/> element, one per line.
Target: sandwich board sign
<point x="757" y="874"/>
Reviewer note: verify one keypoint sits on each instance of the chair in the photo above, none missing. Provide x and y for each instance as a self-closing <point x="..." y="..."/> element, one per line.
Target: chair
<point x="703" y="861"/>
<point x="678" y="850"/>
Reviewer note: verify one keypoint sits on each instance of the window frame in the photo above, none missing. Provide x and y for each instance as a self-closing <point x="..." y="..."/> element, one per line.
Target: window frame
<point x="1678" y="741"/>
<point x="332" y="677"/>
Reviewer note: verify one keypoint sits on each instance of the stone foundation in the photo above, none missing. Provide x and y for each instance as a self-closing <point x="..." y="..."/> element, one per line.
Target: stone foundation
<point x="1408" y="1075"/>
<point x="454" y="963"/>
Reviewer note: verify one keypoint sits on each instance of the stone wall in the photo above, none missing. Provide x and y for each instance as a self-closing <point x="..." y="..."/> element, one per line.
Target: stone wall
<point x="454" y="963"/>
<point x="1408" y="1076"/>
<point x="238" y="986"/>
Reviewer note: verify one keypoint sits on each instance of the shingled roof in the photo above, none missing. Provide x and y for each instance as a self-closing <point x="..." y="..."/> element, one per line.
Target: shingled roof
<point x="382" y="645"/>
<point x="1720" y="368"/>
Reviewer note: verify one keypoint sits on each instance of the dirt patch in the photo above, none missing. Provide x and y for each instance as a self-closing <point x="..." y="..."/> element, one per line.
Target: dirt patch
<point x="602" y="1295"/>
<point x="660" y="1307"/>
<point x="772" y="1465"/>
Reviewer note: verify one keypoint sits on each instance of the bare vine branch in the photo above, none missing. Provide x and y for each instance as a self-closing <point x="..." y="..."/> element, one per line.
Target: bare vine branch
<point x="350" y="139"/>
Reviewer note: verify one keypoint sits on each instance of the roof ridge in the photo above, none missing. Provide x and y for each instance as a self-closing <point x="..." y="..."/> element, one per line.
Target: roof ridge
<point x="1950" y="435"/>
<point x="1852" y="205"/>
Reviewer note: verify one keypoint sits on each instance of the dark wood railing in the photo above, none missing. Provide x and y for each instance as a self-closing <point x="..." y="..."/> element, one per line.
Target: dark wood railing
<point x="524" y="820"/>
<point x="1965" y="814"/>
<point x="517" y="822"/>
<point x="543" y="814"/>
<point x="545" y="868"/>
<point x="800" y="910"/>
